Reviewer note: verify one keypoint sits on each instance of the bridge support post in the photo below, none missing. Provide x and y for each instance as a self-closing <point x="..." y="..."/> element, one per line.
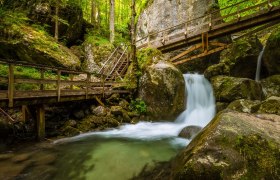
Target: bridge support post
<point x="40" y="122"/>
<point x="11" y="85"/>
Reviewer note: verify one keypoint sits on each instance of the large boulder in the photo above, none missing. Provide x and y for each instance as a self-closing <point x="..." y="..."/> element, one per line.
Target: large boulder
<point x="227" y="89"/>
<point x="271" y="57"/>
<point x="241" y="53"/>
<point x="271" y="85"/>
<point x="233" y="146"/>
<point x="162" y="87"/>
<point x="244" y="105"/>
<point x="189" y="132"/>
<point x="270" y="105"/>
<point x="24" y="43"/>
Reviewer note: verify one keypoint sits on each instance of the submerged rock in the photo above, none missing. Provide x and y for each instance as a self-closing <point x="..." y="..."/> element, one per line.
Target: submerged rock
<point x="233" y="146"/>
<point x="227" y="89"/>
<point x="162" y="88"/>
<point x="189" y="132"/>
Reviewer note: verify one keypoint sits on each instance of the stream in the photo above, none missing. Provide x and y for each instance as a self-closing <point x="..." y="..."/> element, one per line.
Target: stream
<point x="117" y="154"/>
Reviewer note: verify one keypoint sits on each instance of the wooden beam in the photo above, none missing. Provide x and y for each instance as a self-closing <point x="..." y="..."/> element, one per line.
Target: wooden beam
<point x="40" y="119"/>
<point x="11" y="85"/>
<point x="58" y="85"/>
<point x="200" y="55"/>
<point x="186" y="52"/>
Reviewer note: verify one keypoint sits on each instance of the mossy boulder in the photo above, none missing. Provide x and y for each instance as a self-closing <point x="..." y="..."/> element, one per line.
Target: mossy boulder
<point x="189" y="132"/>
<point x="233" y="146"/>
<point x="92" y="122"/>
<point x="243" y="105"/>
<point x="69" y="131"/>
<point x="241" y="53"/>
<point x="271" y="86"/>
<point x="162" y="88"/>
<point x="271" y="57"/>
<point x="227" y="89"/>
<point x="21" y="42"/>
<point x="270" y="105"/>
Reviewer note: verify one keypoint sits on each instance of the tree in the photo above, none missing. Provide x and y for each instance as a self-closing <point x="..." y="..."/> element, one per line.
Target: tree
<point x="112" y="21"/>
<point x="133" y="36"/>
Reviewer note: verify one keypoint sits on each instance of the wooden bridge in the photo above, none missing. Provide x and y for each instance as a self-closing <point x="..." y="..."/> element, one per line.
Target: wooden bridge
<point x="55" y="85"/>
<point x="201" y="33"/>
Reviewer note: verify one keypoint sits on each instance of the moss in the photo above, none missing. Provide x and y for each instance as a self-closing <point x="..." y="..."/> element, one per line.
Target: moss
<point x="262" y="157"/>
<point x="147" y="56"/>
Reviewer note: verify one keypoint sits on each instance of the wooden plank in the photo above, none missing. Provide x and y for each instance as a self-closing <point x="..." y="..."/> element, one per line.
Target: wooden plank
<point x="186" y="52"/>
<point x="11" y="85"/>
<point x="34" y="81"/>
<point x="200" y="55"/>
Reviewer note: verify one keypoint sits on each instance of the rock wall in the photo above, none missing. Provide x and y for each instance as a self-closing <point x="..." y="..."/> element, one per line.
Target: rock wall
<point x="162" y="14"/>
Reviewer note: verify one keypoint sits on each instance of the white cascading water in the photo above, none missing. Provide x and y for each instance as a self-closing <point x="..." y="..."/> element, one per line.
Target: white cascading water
<point x="258" y="71"/>
<point x="199" y="112"/>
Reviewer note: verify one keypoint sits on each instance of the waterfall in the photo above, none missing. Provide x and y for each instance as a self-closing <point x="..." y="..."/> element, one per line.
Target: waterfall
<point x="258" y="71"/>
<point x="200" y="110"/>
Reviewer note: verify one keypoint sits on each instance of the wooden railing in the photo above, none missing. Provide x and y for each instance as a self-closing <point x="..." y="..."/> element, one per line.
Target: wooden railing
<point x="209" y="22"/>
<point x="61" y="84"/>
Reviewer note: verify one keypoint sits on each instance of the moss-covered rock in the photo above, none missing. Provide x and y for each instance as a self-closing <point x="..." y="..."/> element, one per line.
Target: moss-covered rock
<point x="241" y="53"/>
<point x="270" y="105"/>
<point x="96" y="123"/>
<point x="189" y="132"/>
<point x="271" y="86"/>
<point x="147" y="56"/>
<point x="227" y="89"/>
<point x="233" y="146"/>
<point x="162" y="88"/>
<point x="271" y="57"/>
<point x="69" y="131"/>
<point x="21" y="42"/>
<point x="243" y="105"/>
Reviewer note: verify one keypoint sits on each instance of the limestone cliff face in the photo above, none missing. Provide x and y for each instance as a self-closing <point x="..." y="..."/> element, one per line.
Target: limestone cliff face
<point x="162" y="14"/>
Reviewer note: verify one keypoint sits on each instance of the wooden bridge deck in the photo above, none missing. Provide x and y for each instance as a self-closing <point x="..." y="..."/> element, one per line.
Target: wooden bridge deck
<point x="63" y="87"/>
<point x="212" y="26"/>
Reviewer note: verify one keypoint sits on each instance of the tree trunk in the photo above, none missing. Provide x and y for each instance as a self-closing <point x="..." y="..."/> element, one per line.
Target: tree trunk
<point x="112" y="21"/>
<point x="56" y="20"/>
<point x="133" y="36"/>
<point x="93" y="12"/>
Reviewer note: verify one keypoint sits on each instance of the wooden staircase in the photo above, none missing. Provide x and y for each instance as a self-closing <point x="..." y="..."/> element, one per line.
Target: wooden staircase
<point x="116" y="65"/>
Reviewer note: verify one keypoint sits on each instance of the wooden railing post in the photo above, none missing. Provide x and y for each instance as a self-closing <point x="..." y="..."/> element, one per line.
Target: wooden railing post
<point x="210" y="21"/>
<point x="87" y="84"/>
<point x="42" y="78"/>
<point x="40" y="120"/>
<point x="71" y="79"/>
<point x="11" y="86"/>
<point x="58" y="84"/>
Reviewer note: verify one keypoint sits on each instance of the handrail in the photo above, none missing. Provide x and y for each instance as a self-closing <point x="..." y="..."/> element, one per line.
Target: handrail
<point x="118" y="61"/>
<point x="108" y="60"/>
<point x="209" y="15"/>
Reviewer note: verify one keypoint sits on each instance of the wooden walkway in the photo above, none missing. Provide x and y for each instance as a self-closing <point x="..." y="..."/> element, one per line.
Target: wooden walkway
<point x="53" y="86"/>
<point x="200" y="33"/>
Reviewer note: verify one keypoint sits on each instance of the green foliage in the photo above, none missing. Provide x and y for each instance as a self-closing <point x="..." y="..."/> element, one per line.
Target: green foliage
<point x="138" y="105"/>
<point x="96" y="37"/>
<point x="145" y="56"/>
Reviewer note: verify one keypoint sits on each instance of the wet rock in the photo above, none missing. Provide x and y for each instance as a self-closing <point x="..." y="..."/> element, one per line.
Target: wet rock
<point x="124" y="104"/>
<point x="21" y="157"/>
<point x="96" y="123"/>
<point x="69" y="131"/>
<point x="243" y="105"/>
<point x="116" y="110"/>
<point x="99" y="111"/>
<point x="242" y="53"/>
<point x="133" y="114"/>
<point x="271" y="54"/>
<point x="271" y="86"/>
<point x="189" y="132"/>
<point x="71" y="123"/>
<point x="221" y="106"/>
<point x="79" y="114"/>
<point x="125" y="117"/>
<point x="227" y="89"/>
<point x="233" y="146"/>
<point x="162" y="88"/>
<point x="270" y="105"/>
<point x="114" y="98"/>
